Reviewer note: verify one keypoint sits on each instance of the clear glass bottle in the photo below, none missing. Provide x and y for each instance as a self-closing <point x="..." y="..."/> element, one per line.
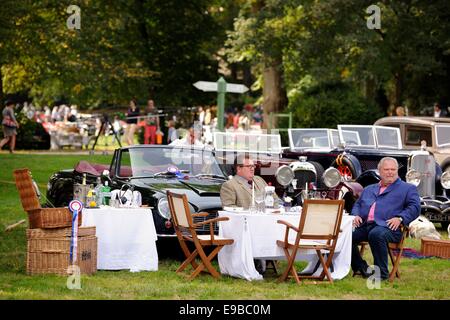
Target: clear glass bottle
<point x="269" y="198"/>
<point x="98" y="191"/>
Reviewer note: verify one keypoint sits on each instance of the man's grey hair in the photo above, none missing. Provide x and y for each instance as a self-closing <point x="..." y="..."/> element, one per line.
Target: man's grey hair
<point x="383" y="160"/>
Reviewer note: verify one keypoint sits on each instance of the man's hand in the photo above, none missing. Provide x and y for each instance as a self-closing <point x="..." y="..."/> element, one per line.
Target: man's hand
<point x="357" y="221"/>
<point x="393" y="223"/>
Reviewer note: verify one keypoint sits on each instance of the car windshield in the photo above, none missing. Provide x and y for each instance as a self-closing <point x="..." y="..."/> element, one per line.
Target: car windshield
<point x="148" y="162"/>
<point x="370" y="136"/>
<point x="247" y="142"/>
<point x="443" y="135"/>
<point x="313" y="138"/>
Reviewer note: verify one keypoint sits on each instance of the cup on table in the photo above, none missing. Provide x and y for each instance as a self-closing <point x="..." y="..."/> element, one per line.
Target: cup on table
<point x="114" y="203"/>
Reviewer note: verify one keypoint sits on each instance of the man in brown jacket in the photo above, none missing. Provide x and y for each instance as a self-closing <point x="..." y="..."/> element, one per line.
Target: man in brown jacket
<point x="237" y="192"/>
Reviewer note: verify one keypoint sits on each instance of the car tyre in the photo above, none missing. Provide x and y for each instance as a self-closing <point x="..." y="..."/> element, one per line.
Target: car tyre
<point x="350" y="164"/>
<point x="319" y="171"/>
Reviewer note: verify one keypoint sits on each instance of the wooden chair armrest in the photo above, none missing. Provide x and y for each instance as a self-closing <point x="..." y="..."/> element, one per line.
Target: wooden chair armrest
<point x="287" y="224"/>
<point x="200" y="214"/>
<point x="211" y="222"/>
<point x="288" y="227"/>
<point x="217" y="219"/>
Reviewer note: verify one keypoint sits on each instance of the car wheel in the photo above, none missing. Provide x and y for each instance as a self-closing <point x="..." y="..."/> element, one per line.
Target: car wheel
<point x="348" y="165"/>
<point x="319" y="171"/>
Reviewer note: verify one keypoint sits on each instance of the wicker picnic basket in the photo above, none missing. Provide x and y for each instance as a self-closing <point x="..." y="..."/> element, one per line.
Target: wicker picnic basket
<point x="39" y="217"/>
<point x="48" y="251"/>
<point x="51" y="218"/>
<point x="437" y="248"/>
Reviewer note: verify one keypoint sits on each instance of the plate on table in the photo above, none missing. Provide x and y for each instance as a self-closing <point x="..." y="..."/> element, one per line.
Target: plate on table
<point x="235" y="209"/>
<point x="293" y="210"/>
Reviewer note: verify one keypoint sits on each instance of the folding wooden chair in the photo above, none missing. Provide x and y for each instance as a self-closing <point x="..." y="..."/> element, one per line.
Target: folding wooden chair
<point x="318" y="230"/>
<point x="184" y="226"/>
<point x="392" y="246"/>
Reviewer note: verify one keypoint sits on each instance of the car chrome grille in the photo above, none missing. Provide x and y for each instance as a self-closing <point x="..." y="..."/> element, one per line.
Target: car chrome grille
<point x="368" y="164"/>
<point x="205" y="228"/>
<point x="304" y="176"/>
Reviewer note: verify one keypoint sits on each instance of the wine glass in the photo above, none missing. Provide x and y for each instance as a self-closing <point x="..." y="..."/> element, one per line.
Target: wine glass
<point x="259" y="200"/>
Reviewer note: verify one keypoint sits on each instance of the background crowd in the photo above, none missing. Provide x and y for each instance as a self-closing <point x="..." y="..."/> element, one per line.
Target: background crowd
<point x="147" y="123"/>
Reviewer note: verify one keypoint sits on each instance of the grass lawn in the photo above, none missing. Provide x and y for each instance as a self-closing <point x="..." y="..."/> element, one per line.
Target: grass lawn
<point x="421" y="278"/>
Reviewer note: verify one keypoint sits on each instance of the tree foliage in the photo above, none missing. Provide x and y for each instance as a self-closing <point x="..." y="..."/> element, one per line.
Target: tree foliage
<point x="124" y="49"/>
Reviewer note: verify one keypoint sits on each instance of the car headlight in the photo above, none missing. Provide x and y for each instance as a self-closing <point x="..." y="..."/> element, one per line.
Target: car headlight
<point x="284" y="175"/>
<point x="163" y="208"/>
<point x="445" y="180"/>
<point x="413" y="177"/>
<point x="331" y="177"/>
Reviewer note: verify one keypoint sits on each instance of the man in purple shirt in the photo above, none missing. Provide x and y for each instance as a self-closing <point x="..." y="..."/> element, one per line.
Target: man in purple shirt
<point x="379" y="212"/>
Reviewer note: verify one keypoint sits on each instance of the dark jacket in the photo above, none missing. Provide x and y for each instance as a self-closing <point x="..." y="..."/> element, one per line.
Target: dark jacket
<point x="400" y="199"/>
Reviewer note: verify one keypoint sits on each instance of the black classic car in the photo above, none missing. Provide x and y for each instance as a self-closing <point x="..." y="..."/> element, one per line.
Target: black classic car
<point x="355" y="151"/>
<point x="151" y="170"/>
<point x="288" y="175"/>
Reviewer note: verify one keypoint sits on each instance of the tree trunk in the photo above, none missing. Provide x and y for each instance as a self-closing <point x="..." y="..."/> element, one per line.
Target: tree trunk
<point x="369" y="88"/>
<point x="274" y="93"/>
<point x="398" y="90"/>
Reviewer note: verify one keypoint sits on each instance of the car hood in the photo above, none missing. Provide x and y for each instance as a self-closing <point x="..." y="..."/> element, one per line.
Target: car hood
<point x="203" y="194"/>
<point x="201" y="187"/>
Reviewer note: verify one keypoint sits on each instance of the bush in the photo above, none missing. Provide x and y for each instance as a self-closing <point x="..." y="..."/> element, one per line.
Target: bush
<point x="329" y="104"/>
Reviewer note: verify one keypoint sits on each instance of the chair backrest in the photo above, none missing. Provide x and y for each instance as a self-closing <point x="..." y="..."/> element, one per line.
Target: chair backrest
<point x="179" y="209"/>
<point x="27" y="192"/>
<point x="321" y="219"/>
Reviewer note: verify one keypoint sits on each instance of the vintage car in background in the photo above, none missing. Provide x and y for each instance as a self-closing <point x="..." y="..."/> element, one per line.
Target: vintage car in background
<point x="414" y="130"/>
<point x="292" y="178"/>
<point x="355" y="151"/>
<point x="151" y="170"/>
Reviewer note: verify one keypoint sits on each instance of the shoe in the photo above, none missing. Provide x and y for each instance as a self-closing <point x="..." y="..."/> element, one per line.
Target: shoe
<point x="365" y="273"/>
<point x="260" y="266"/>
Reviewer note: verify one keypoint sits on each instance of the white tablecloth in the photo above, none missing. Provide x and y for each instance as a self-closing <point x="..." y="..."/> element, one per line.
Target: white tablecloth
<point x="255" y="236"/>
<point x="126" y="238"/>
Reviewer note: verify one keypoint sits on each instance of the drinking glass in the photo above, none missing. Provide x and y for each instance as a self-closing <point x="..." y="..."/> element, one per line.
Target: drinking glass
<point x="259" y="200"/>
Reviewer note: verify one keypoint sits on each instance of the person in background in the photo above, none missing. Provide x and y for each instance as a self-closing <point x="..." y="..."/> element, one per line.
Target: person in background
<point x="208" y="117"/>
<point x="10" y="126"/>
<point x="117" y="127"/>
<point x="132" y="120"/>
<point x="379" y="212"/>
<point x="438" y="112"/>
<point x="172" y="133"/>
<point x="192" y="138"/>
<point x="151" y="123"/>
<point x="201" y="115"/>
<point x="400" y="111"/>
